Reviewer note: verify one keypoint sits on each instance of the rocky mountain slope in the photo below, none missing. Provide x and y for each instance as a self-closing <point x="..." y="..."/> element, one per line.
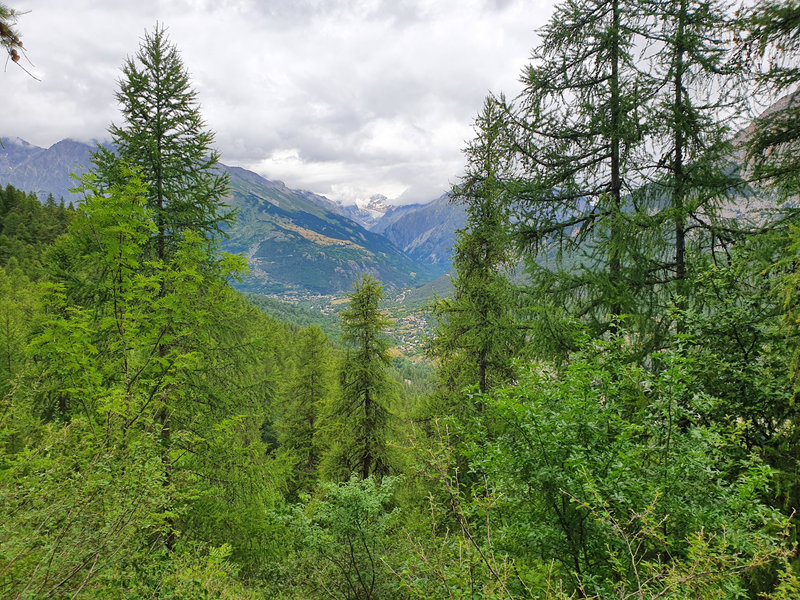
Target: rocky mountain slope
<point x="43" y="170"/>
<point x="296" y="241"/>
<point x="427" y="233"/>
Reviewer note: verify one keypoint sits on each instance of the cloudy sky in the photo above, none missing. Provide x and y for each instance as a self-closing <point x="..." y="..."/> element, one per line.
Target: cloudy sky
<point x="346" y="98"/>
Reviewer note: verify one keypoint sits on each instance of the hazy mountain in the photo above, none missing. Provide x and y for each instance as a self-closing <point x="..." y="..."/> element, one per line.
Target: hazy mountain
<point x="427" y="232"/>
<point x="44" y="170"/>
<point x="367" y="212"/>
<point x="393" y="215"/>
<point x="295" y="240"/>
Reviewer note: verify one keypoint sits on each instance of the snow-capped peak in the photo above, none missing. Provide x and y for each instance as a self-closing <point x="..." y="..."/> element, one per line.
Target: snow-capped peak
<point x="376" y="206"/>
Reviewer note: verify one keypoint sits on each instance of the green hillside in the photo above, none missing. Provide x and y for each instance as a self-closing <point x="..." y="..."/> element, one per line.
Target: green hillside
<point x="294" y="242"/>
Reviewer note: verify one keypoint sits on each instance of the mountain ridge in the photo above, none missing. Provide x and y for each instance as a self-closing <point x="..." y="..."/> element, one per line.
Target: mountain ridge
<point x="296" y="241"/>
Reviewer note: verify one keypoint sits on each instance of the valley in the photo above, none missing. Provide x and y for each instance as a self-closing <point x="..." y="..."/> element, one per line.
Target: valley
<point x="303" y="249"/>
<point x="411" y="320"/>
<point x="574" y="375"/>
<point x="297" y="242"/>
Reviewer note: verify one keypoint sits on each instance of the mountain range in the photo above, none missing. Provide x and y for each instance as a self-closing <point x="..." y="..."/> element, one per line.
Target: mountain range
<point x="297" y="242"/>
<point x="425" y="232"/>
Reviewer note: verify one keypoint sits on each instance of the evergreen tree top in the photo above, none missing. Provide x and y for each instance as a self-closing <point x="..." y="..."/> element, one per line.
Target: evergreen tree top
<point x="363" y="323"/>
<point x="164" y="135"/>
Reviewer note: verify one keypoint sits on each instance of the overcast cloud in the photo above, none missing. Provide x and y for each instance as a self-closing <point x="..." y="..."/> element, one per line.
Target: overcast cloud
<point x="346" y="98"/>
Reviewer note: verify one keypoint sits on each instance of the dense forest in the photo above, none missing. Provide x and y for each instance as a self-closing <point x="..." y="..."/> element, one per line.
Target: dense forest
<point x="612" y="407"/>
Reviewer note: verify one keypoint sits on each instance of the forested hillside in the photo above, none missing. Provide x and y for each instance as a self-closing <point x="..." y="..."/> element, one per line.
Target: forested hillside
<point x="620" y="422"/>
<point x="297" y="243"/>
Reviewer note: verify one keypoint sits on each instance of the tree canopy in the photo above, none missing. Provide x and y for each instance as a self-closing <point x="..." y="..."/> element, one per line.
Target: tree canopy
<point x="612" y="407"/>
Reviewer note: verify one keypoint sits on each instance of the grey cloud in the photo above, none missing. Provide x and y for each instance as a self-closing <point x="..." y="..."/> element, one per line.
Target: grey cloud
<point x="296" y="12"/>
<point x="362" y="95"/>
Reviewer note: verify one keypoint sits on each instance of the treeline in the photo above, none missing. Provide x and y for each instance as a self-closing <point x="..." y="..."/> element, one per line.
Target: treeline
<point x="621" y="422"/>
<point x="27" y="227"/>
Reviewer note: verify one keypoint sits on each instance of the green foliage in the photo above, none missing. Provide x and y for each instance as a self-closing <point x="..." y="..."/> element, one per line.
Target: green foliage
<point x="163" y="134"/>
<point x="578" y="146"/>
<point x="608" y="470"/>
<point x="770" y="44"/>
<point x="452" y="553"/>
<point x="477" y="335"/>
<point x="738" y="349"/>
<point x="92" y="482"/>
<point x="309" y="388"/>
<point x="287" y="312"/>
<point x="78" y="501"/>
<point x="678" y="210"/>
<point x="132" y="458"/>
<point x="416" y="380"/>
<point x="621" y="160"/>
<point x="27" y="227"/>
<point x="605" y="470"/>
<point x="347" y="533"/>
<point x="18" y="305"/>
<point x="124" y="341"/>
<point x="198" y="573"/>
<point x="358" y="420"/>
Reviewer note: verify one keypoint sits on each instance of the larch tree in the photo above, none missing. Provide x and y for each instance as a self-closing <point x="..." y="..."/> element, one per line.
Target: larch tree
<point x="771" y="43"/>
<point x="309" y="388"/>
<point x="164" y="139"/>
<point x="579" y="131"/>
<point x="476" y="337"/>
<point x="690" y="171"/>
<point x="109" y="365"/>
<point x="164" y="135"/>
<point x="361" y="415"/>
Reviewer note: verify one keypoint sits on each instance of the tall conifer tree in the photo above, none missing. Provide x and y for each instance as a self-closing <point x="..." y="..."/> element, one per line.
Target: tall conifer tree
<point x="309" y="388"/>
<point x="621" y="154"/>
<point x="476" y="337"/>
<point x="772" y="42"/>
<point x="690" y="171"/>
<point x="163" y="135"/>
<point x="579" y="131"/>
<point x="361" y="415"/>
